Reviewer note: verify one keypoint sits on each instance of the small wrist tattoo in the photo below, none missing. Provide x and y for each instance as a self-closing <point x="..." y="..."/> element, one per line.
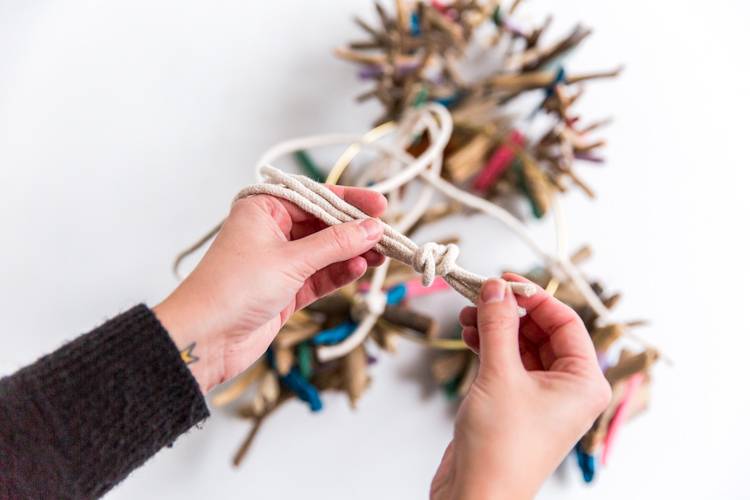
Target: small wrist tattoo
<point x="187" y="354"/>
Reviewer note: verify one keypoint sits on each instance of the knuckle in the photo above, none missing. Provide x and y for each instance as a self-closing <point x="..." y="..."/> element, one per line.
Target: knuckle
<point x="496" y="320"/>
<point x="578" y="321"/>
<point x="240" y="206"/>
<point x="248" y="205"/>
<point x="341" y="238"/>
<point x="300" y="267"/>
<point x="599" y="394"/>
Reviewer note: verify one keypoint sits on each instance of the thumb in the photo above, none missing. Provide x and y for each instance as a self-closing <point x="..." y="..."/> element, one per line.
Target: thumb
<point x="336" y="243"/>
<point x="497" y="322"/>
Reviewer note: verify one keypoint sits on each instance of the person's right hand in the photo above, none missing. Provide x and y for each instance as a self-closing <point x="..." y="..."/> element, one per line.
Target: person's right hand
<point x="538" y="390"/>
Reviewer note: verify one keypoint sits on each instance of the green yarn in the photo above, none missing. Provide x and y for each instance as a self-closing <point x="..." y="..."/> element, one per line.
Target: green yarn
<point x="308" y="165"/>
<point x="304" y="359"/>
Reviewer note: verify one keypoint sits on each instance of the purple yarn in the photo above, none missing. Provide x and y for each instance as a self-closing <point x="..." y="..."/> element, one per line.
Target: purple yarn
<point x="374" y="71"/>
<point x="367" y="72"/>
<point x="589" y="157"/>
<point x="513" y="28"/>
<point x="603" y="362"/>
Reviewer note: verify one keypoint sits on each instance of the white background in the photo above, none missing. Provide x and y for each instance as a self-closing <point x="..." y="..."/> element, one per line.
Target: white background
<point x="126" y="127"/>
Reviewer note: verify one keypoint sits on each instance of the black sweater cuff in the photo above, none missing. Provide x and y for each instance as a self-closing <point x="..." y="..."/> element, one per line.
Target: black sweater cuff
<point x="79" y="420"/>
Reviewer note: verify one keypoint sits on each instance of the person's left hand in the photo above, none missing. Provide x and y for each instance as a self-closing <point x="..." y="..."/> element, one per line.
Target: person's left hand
<point x="269" y="259"/>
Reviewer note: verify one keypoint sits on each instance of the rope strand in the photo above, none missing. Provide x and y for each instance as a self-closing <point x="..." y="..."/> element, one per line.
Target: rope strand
<point x="436" y="121"/>
<point x="430" y="260"/>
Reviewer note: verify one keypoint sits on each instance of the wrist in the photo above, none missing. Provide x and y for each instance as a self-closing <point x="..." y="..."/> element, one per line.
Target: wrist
<point x="482" y="474"/>
<point x="484" y="485"/>
<point x="194" y="337"/>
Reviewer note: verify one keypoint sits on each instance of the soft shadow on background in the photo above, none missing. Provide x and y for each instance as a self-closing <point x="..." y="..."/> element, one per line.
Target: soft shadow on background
<point x="126" y="128"/>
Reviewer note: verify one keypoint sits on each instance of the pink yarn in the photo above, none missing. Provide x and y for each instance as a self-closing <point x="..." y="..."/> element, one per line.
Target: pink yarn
<point x="621" y="413"/>
<point x="414" y="287"/>
<point x="498" y="163"/>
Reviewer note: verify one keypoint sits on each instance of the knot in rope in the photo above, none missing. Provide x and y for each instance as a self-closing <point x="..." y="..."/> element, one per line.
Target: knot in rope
<point x="433" y="259"/>
<point x="429" y="260"/>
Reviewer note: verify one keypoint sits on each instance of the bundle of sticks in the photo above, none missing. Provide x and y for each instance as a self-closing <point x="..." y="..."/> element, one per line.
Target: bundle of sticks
<point x="413" y="55"/>
<point x="291" y="369"/>
<point x="416" y="54"/>
<point x="628" y="372"/>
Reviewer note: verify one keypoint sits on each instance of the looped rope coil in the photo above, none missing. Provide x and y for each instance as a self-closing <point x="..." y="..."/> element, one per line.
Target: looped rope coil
<point x="430" y="260"/>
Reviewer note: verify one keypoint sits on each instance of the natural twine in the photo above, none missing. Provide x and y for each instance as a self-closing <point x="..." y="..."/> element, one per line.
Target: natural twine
<point x="430" y="260"/>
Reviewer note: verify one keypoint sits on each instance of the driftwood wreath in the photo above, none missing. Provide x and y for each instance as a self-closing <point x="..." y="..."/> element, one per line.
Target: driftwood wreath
<point x="445" y="145"/>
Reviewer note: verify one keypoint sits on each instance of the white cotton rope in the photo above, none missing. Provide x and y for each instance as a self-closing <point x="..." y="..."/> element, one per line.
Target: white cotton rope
<point x="370" y="306"/>
<point x="430" y="260"/>
<point x="560" y="266"/>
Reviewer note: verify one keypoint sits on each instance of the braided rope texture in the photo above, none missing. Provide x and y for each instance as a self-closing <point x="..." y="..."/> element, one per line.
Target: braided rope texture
<point x="430" y="260"/>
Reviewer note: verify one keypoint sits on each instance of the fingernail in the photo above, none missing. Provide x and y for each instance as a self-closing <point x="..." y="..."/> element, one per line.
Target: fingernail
<point x="371" y="228"/>
<point x="494" y="291"/>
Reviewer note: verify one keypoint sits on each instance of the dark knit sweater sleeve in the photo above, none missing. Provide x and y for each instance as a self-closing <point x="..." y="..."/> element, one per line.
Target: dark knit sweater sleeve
<point x="79" y="420"/>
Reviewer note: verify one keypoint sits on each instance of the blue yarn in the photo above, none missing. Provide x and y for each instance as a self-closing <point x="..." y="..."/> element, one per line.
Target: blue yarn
<point x="449" y="101"/>
<point x="415" y="29"/>
<point x="396" y="294"/>
<point x="586" y="462"/>
<point x="295" y="382"/>
<point x="560" y="77"/>
<point x="334" y="335"/>
<point x="338" y="333"/>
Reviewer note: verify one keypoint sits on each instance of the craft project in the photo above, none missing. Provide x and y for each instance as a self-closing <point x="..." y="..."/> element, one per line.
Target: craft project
<point x="430" y="259"/>
<point x="445" y="145"/>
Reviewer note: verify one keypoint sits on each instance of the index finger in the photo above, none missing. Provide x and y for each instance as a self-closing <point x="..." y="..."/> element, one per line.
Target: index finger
<point x="564" y="329"/>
